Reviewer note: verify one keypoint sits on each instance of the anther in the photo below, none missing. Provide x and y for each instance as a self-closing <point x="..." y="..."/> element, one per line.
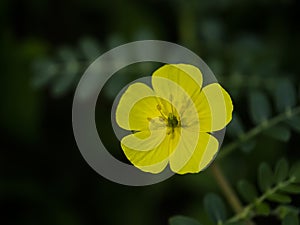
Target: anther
<point x="161" y="119"/>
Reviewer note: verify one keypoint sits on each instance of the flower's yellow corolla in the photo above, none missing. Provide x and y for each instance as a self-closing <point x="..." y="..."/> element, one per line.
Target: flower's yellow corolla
<point x="173" y="121"/>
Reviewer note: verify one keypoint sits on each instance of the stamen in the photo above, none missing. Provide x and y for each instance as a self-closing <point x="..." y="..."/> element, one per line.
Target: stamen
<point x="185" y="106"/>
<point x="161" y="113"/>
<point x="161" y="119"/>
<point x="172" y="107"/>
<point x="171" y="132"/>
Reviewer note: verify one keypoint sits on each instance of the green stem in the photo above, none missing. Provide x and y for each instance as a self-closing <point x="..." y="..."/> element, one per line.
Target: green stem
<point x="257" y="130"/>
<point x="226" y="188"/>
<point x="228" y="191"/>
<point x="248" y="210"/>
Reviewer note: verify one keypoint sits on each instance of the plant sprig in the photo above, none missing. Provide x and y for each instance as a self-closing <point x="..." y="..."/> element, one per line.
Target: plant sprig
<point x="267" y="124"/>
<point x="285" y="185"/>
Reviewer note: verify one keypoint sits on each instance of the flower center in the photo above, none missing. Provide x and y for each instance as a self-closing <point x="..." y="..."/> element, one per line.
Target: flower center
<point x="172" y="121"/>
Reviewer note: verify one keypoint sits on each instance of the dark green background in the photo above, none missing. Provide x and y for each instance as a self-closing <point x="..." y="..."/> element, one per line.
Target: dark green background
<point x="45" y="180"/>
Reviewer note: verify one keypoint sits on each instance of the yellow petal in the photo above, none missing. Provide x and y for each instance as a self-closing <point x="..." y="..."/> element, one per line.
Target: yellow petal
<point x="193" y="158"/>
<point x="145" y="140"/>
<point x="188" y="77"/>
<point x="142" y="112"/>
<point x="156" y="168"/>
<point x="214" y="107"/>
<point x="154" y="160"/>
<point x="135" y="93"/>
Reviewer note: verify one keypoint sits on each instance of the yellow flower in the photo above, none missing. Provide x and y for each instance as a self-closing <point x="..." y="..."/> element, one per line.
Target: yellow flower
<point x="173" y="121"/>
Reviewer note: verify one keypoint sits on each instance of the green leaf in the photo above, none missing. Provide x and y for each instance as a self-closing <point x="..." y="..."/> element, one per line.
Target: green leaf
<point x="280" y="133"/>
<point x="281" y="198"/>
<point x="292" y="188"/>
<point x="290" y="219"/>
<point x="215" y="207"/>
<point x="235" y="223"/>
<point x="284" y="210"/>
<point x="263" y="209"/>
<point x="44" y="71"/>
<point x="260" y="108"/>
<point x="183" y="220"/>
<point x="247" y="191"/>
<point x="285" y="95"/>
<point x="294" y="123"/>
<point x="68" y="73"/>
<point x="90" y="48"/>
<point x="265" y="177"/>
<point x="295" y="172"/>
<point x="281" y="170"/>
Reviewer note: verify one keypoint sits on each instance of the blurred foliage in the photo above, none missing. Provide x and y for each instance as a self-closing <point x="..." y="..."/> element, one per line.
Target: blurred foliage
<point x="252" y="47"/>
<point x="277" y="187"/>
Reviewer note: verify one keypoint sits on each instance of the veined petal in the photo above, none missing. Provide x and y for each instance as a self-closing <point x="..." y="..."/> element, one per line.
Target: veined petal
<point x="149" y="113"/>
<point x="135" y="93"/>
<point x="156" y="168"/>
<point x="143" y="112"/>
<point x="214" y="107"/>
<point x="154" y="160"/>
<point x="145" y="140"/>
<point x="193" y="158"/>
<point x="188" y="77"/>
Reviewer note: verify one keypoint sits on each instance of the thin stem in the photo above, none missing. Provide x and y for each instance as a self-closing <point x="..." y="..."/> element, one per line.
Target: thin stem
<point x="227" y="190"/>
<point x="257" y="130"/>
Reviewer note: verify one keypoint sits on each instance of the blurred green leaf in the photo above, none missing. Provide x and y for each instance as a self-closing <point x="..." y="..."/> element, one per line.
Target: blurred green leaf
<point x="295" y="171"/>
<point x="280" y="198"/>
<point x="262" y="209"/>
<point x="66" y="53"/>
<point x="183" y="220"/>
<point x="215" y="207"/>
<point x="285" y="95"/>
<point x="280" y="133"/>
<point x="68" y="72"/>
<point x="265" y="177"/>
<point x="236" y="223"/>
<point x="260" y="109"/>
<point x="292" y="188"/>
<point x="281" y="170"/>
<point x="284" y="210"/>
<point x="290" y="219"/>
<point x="247" y="191"/>
<point x="90" y="48"/>
<point x="44" y="70"/>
